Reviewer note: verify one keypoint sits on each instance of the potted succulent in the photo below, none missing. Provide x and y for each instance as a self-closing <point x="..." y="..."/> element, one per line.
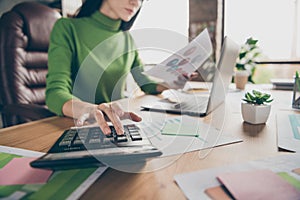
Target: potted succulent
<point x="248" y="56"/>
<point x="256" y="107"/>
<point x="296" y="90"/>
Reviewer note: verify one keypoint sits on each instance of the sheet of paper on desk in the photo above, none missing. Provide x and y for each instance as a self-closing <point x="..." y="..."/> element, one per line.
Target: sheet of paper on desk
<point x="288" y="131"/>
<point x="19" y="172"/>
<point x="66" y="184"/>
<point x="194" y="184"/>
<point x="187" y="126"/>
<point x="185" y="61"/>
<point x="261" y="184"/>
<point x="171" y="145"/>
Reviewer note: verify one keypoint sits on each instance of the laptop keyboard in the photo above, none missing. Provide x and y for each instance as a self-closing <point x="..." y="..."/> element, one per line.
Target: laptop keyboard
<point x="93" y="138"/>
<point x="196" y="104"/>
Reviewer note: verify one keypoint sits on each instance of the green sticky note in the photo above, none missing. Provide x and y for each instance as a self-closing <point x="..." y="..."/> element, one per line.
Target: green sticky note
<point x="179" y="129"/>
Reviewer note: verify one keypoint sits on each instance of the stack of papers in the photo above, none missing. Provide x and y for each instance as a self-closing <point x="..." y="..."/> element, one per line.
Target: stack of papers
<point x="283" y="84"/>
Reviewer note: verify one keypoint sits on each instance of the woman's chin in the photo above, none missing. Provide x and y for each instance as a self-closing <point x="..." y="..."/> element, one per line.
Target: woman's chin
<point x="127" y="18"/>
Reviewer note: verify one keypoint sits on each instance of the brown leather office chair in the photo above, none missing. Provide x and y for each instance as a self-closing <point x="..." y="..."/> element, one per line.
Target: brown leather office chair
<point x="24" y="40"/>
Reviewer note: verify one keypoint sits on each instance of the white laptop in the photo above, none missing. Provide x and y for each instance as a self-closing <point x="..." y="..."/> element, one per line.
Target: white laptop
<point x="201" y="105"/>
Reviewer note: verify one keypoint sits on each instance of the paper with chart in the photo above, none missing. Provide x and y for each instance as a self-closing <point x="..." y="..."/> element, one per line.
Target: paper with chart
<point x="183" y="62"/>
<point x="66" y="184"/>
<point x="178" y="135"/>
<point x="288" y="131"/>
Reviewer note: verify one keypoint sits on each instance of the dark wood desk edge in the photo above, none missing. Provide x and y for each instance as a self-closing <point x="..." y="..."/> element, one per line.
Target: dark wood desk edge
<point x="29" y="123"/>
<point x="46" y="132"/>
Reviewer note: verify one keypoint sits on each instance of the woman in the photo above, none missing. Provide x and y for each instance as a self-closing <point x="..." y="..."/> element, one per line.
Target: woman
<point x="73" y="40"/>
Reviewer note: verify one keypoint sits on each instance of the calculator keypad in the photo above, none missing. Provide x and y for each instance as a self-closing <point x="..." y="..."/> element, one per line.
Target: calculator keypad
<point x="93" y="138"/>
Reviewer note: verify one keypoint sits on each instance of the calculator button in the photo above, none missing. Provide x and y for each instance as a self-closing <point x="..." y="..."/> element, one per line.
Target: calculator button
<point x="95" y="141"/>
<point x="122" y="138"/>
<point x="65" y="143"/>
<point x="136" y="137"/>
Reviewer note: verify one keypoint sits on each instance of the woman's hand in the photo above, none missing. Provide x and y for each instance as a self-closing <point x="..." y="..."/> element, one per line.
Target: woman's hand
<point x="107" y="112"/>
<point x="115" y="114"/>
<point x="179" y="83"/>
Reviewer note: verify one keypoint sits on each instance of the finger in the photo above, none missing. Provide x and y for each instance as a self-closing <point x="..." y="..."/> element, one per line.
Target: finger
<point x="80" y="121"/>
<point x="117" y="109"/>
<point x="132" y="116"/>
<point x="114" y="118"/>
<point x="179" y="83"/>
<point x="193" y="75"/>
<point x="102" y="122"/>
<point x="184" y="76"/>
<point x="135" y="117"/>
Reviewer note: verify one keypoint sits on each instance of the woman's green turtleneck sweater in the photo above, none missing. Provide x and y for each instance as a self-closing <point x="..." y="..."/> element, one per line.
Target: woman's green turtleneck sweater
<point x="89" y="59"/>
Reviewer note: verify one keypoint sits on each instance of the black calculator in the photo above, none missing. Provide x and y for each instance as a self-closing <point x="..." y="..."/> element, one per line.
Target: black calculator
<point x="88" y="146"/>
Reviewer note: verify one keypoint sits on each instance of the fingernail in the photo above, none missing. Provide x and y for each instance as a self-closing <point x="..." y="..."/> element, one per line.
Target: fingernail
<point x="79" y="122"/>
<point x="120" y="132"/>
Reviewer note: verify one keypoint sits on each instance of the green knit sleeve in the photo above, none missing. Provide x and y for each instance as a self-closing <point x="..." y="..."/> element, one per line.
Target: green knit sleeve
<point x="144" y="82"/>
<point x="59" y="81"/>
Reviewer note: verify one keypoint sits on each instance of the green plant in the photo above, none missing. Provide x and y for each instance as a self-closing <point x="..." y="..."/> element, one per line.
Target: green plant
<point x="297" y="82"/>
<point x="257" y="98"/>
<point x="296" y="98"/>
<point x="248" y="56"/>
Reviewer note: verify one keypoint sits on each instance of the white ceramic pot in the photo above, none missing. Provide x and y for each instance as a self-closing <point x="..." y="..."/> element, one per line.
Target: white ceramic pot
<point x="255" y="114"/>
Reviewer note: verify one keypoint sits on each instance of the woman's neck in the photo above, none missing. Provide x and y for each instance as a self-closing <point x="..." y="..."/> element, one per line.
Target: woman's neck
<point x="106" y="10"/>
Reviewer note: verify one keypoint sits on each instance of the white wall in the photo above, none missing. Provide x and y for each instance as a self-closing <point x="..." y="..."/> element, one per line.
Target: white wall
<point x="161" y="28"/>
<point x="70" y="7"/>
<point x="275" y="23"/>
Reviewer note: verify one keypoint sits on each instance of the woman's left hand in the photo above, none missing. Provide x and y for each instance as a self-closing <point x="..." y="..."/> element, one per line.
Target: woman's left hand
<point x="183" y="78"/>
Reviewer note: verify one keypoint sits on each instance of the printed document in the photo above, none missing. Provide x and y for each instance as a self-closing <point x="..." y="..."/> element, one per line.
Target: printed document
<point x="184" y="62"/>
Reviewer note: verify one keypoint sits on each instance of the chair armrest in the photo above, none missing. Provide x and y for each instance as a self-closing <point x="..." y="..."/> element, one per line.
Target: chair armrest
<point x="29" y="111"/>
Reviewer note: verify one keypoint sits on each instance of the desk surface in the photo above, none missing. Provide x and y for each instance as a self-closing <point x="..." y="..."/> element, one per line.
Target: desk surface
<point x="259" y="141"/>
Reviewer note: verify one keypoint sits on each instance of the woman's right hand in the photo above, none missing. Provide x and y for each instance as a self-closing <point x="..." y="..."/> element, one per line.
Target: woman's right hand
<point x="105" y="112"/>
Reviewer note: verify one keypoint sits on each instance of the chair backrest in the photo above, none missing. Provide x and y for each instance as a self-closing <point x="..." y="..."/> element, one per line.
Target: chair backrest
<point x="24" y="41"/>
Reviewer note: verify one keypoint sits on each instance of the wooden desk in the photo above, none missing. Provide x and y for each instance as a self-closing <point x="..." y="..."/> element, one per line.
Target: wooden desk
<point x="259" y="141"/>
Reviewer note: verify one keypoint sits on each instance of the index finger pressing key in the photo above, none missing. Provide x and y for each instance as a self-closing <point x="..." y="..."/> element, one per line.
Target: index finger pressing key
<point x="115" y="119"/>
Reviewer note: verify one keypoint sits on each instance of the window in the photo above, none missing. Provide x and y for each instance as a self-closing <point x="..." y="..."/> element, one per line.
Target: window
<point x="161" y="29"/>
<point x="275" y="23"/>
<point x="70" y="7"/>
